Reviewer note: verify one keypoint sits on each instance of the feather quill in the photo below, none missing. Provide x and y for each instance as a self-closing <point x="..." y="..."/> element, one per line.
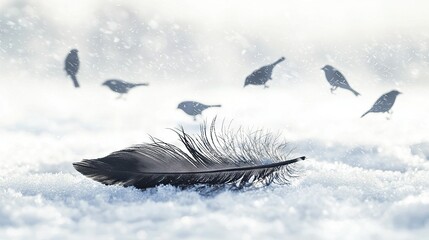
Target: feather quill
<point x="236" y="158"/>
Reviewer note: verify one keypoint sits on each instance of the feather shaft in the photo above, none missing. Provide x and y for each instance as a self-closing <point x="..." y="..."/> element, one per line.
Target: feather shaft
<point x="266" y="166"/>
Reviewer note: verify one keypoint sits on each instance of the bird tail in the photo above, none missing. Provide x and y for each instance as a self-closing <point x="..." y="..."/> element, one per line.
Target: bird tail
<point x="141" y="84"/>
<point x="215" y="105"/>
<point x="365" y="114"/>
<point x="279" y="61"/>
<point x="75" y="82"/>
<point x="356" y="93"/>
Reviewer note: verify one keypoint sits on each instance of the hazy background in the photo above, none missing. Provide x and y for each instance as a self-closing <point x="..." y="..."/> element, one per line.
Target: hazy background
<point x="364" y="178"/>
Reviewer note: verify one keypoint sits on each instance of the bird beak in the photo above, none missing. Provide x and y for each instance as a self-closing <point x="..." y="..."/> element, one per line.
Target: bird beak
<point x="399" y="93"/>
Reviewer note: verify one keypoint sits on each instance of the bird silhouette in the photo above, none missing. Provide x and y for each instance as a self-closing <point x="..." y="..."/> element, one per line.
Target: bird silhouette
<point x="71" y="66"/>
<point x="384" y="103"/>
<point x="262" y="75"/>
<point x="121" y="86"/>
<point x="337" y="79"/>
<point x="194" y="108"/>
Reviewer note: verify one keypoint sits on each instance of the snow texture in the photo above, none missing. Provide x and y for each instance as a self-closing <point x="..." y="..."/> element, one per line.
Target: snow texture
<point x="365" y="178"/>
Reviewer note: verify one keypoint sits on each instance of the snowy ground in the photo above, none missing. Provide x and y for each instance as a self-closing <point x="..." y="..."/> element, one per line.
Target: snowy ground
<point x="364" y="178"/>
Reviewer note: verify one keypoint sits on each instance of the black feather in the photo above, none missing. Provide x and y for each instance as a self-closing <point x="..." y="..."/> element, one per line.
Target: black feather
<point x="215" y="158"/>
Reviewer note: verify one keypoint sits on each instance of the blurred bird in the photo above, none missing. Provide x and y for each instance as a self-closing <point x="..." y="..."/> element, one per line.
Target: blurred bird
<point x="337" y="79"/>
<point x="121" y="86"/>
<point x="384" y="103"/>
<point x="72" y="65"/>
<point x="194" y="108"/>
<point x="262" y="75"/>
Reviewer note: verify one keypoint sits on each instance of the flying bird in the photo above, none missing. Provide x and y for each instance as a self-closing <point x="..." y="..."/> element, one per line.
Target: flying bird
<point x="262" y="75"/>
<point x="121" y="86"/>
<point x="71" y="66"/>
<point x="384" y="103"/>
<point x="337" y="79"/>
<point x="212" y="158"/>
<point x="194" y="108"/>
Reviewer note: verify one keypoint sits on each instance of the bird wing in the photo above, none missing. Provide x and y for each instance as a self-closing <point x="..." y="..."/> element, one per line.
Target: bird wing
<point x="268" y="70"/>
<point x="259" y="76"/>
<point x="383" y="103"/>
<point x="127" y="84"/>
<point x="258" y="73"/>
<point x="72" y="64"/>
<point x="380" y="104"/>
<point x="381" y="100"/>
<point x="212" y="159"/>
<point x="340" y="80"/>
<point x="200" y="106"/>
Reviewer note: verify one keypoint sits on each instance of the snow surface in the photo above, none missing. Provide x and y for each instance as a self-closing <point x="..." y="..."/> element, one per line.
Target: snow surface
<point x="364" y="178"/>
